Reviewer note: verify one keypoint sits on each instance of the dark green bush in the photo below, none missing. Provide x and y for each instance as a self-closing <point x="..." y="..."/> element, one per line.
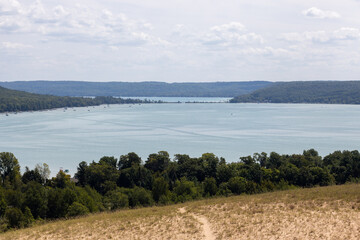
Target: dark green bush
<point x="115" y="200"/>
<point x="77" y="209"/>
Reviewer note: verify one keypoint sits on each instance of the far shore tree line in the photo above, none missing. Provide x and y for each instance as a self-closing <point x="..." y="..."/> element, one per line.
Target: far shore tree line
<point x="18" y="101"/>
<point x="128" y="182"/>
<point x="323" y="92"/>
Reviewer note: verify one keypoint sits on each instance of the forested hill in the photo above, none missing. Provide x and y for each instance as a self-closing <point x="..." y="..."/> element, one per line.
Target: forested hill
<point x="335" y="92"/>
<point x="137" y="89"/>
<point x="13" y="101"/>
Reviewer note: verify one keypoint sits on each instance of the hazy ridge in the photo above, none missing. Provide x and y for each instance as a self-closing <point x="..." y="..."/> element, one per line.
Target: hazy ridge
<point x="333" y="92"/>
<point x="137" y="89"/>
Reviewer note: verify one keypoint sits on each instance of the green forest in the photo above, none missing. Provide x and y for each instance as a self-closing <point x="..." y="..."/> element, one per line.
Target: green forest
<point x="14" y="101"/>
<point x="327" y="92"/>
<point x="114" y="183"/>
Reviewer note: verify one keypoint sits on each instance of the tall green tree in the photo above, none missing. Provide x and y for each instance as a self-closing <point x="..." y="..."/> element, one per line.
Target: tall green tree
<point x="31" y="175"/>
<point x="160" y="189"/>
<point x="128" y="160"/>
<point x="158" y="162"/>
<point x="191" y="168"/>
<point x="82" y="173"/>
<point x="44" y="171"/>
<point x="9" y="169"/>
<point x="36" y="199"/>
<point x="210" y="163"/>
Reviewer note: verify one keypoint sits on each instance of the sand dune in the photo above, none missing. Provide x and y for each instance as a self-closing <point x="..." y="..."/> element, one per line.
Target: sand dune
<point x="319" y="213"/>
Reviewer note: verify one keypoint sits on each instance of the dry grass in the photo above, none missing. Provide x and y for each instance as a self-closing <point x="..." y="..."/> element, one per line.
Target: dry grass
<point x="318" y="213"/>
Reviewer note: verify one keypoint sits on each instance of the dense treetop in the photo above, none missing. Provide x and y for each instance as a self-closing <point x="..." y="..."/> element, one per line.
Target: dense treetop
<point x="335" y="92"/>
<point x="136" y="89"/>
<point x="13" y="101"/>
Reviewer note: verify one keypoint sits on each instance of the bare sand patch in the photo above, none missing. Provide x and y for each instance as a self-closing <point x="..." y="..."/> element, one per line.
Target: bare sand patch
<point x="182" y="210"/>
<point x="274" y="221"/>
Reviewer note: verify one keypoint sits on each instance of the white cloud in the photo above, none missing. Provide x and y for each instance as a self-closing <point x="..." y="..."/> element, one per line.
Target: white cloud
<point x="159" y="40"/>
<point x="235" y="27"/>
<point x="217" y="37"/>
<point x="267" y="52"/>
<point x="13" y="24"/>
<point x="180" y="30"/>
<point x="318" y="13"/>
<point x="232" y="34"/>
<point x="78" y="24"/>
<point x="346" y="33"/>
<point x="342" y="34"/>
<point x="9" y="7"/>
<point x="14" y="45"/>
<point x="291" y="37"/>
<point x="182" y="34"/>
<point x="60" y="12"/>
<point x="317" y="36"/>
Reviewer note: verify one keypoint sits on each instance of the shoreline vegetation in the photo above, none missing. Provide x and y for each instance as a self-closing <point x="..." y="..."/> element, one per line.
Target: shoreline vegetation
<point x="14" y="101"/>
<point x="312" y="92"/>
<point x="19" y="101"/>
<point x="128" y="182"/>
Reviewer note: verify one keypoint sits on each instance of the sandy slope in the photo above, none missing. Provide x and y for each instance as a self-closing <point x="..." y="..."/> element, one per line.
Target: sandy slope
<point x="320" y="213"/>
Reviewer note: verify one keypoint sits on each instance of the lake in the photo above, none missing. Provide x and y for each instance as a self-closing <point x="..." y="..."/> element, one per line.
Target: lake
<point x="185" y="99"/>
<point x="64" y="138"/>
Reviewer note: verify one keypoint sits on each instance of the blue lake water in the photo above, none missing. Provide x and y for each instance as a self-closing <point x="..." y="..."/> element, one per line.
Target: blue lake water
<point x="185" y="99"/>
<point x="63" y="138"/>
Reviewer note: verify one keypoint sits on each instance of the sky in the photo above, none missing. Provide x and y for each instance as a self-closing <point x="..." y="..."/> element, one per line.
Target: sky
<point x="179" y="40"/>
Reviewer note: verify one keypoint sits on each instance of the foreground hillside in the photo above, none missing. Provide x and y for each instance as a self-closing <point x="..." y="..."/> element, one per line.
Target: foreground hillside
<point x="319" y="213"/>
<point x="13" y="101"/>
<point x="137" y="89"/>
<point x="334" y="92"/>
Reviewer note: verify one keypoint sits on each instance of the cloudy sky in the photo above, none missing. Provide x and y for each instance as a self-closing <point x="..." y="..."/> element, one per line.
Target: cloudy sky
<point x="179" y="40"/>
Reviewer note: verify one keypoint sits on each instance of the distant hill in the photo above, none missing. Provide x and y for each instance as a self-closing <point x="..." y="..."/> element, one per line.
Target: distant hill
<point x="13" y="101"/>
<point x="137" y="89"/>
<point x="335" y="92"/>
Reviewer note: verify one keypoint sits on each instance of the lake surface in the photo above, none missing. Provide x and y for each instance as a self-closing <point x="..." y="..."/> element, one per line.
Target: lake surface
<point x="64" y="138"/>
<point x="185" y="99"/>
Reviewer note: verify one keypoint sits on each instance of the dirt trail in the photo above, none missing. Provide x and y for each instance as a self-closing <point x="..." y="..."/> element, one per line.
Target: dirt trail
<point x="207" y="232"/>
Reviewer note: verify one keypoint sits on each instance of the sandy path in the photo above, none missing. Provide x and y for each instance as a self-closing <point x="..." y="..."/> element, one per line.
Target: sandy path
<point x="207" y="232"/>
